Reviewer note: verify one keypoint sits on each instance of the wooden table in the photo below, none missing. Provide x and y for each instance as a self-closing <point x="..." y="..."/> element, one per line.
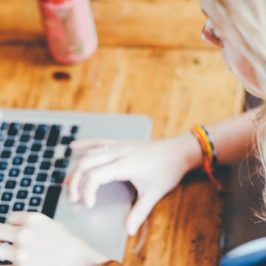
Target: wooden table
<point x="151" y="61"/>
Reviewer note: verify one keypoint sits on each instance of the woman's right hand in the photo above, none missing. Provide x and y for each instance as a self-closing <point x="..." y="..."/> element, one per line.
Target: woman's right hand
<point x="153" y="167"/>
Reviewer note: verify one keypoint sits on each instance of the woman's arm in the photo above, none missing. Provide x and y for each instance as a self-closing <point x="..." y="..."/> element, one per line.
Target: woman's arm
<point x="153" y="167"/>
<point x="234" y="139"/>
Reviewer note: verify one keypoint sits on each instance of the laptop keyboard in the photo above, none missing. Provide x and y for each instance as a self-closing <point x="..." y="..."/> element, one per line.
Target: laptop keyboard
<point x="33" y="163"/>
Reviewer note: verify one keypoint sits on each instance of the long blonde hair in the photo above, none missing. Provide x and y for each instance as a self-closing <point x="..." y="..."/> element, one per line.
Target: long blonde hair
<point x="246" y="28"/>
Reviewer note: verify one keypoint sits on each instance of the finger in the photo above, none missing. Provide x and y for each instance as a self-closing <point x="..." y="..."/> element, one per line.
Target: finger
<point x="140" y="212"/>
<point x="73" y="179"/>
<point x="100" y="145"/>
<point x="7" y="252"/>
<point x="8" y="233"/>
<point x="91" y="188"/>
<point x="90" y="192"/>
<point x="86" y="144"/>
<point x="77" y="153"/>
<point x="18" y="218"/>
<point x="85" y="165"/>
<point x="101" y="176"/>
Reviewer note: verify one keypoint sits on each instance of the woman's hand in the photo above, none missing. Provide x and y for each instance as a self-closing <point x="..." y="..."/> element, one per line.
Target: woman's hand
<point x="37" y="240"/>
<point x="154" y="168"/>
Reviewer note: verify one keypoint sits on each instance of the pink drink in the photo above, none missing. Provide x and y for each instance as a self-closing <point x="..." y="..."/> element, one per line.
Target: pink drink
<point x="70" y="29"/>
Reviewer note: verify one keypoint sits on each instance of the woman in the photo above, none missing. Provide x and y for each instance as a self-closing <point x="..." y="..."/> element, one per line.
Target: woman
<point x="237" y="28"/>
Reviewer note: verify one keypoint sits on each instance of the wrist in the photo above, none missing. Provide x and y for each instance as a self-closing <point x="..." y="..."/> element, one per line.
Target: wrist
<point x="193" y="152"/>
<point x="187" y="148"/>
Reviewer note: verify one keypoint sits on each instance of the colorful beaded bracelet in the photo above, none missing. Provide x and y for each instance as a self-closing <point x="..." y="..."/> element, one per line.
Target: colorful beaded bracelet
<point x="209" y="153"/>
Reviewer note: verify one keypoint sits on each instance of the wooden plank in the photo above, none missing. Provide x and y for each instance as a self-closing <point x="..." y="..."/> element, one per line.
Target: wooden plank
<point x="174" y="88"/>
<point x="119" y="22"/>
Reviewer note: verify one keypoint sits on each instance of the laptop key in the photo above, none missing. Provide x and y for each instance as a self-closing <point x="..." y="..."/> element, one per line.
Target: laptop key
<point x="21" y="149"/>
<point x="4" y="126"/>
<point x="35" y="201"/>
<point x="5" y="262"/>
<point x="2" y="220"/>
<point x="13" y="129"/>
<point x="48" y="154"/>
<point x="9" y="143"/>
<point x="44" y="126"/>
<point x="29" y="170"/>
<point x="42" y="177"/>
<point x="1" y="177"/>
<point x="40" y="132"/>
<point x="25" y="182"/>
<point x="14" y="172"/>
<point x="18" y="206"/>
<point x="74" y="129"/>
<point x="4" y="208"/>
<point x="18" y="160"/>
<point x="68" y="152"/>
<point x="32" y="210"/>
<point x="32" y="159"/>
<point x="58" y="177"/>
<point x="61" y="163"/>
<point x="3" y="165"/>
<point x="28" y="127"/>
<point x="5" y="154"/>
<point x="38" y="189"/>
<point x="7" y="196"/>
<point x="45" y="165"/>
<point x="51" y="200"/>
<point x="10" y="184"/>
<point x="36" y="147"/>
<point x="22" y="194"/>
<point x="53" y="135"/>
<point x="67" y="140"/>
<point x="25" y="138"/>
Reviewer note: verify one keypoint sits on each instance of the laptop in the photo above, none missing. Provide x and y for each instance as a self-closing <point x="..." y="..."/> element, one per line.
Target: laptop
<point x="35" y="157"/>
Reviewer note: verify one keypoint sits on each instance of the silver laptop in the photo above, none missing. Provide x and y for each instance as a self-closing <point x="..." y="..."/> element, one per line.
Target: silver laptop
<point x="35" y="157"/>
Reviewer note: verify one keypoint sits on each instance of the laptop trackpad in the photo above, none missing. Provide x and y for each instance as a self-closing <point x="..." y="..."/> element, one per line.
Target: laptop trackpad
<point x="103" y="227"/>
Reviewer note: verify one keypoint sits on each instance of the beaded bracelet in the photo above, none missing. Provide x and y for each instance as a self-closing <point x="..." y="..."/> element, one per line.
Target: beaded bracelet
<point x="209" y="153"/>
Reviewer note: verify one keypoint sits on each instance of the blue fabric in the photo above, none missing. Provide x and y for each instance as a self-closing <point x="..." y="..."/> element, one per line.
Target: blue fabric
<point x="250" y="254"/>
<point x="254" y="259"/>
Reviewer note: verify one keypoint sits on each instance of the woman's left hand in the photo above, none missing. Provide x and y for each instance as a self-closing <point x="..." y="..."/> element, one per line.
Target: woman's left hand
<point x="38" y="240"/>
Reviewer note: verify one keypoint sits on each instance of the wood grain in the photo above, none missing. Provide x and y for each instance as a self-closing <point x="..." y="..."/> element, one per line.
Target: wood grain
<point x="119" y="22"/>
<point x="175" y="88"/>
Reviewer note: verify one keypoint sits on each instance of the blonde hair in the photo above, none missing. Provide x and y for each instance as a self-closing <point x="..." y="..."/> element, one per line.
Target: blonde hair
<point x="246" y="28"/>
